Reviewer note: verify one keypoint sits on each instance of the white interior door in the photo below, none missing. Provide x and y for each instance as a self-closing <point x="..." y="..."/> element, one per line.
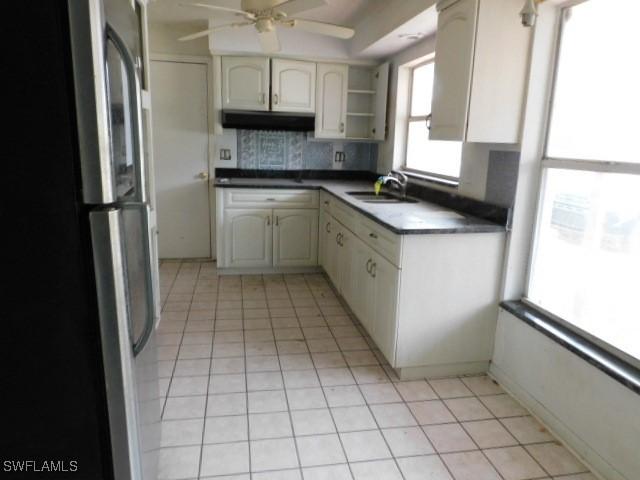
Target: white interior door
<point x="181" y="157"/>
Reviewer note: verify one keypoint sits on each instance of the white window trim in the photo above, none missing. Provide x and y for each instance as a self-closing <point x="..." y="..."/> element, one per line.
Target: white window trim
<point x="416" y="172"/>
<point x="547" y="163"/>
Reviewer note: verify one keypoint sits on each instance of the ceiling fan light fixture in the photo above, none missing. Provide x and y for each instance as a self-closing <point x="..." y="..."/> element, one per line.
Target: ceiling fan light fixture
<point x="265" y="25"/>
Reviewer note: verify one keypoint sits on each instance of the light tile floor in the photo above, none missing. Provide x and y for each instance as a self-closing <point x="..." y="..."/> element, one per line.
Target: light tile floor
<point x="270" y="377"/>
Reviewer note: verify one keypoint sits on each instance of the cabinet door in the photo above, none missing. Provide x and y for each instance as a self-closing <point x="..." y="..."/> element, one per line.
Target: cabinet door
<point x="322" y="237"/>
<point x="332" y="250"/>
<point x="386" y="279"/>
<point x="359" y="294"/>
<point x="248" y="238"/>
<point x="345" y="245"/>
<point x="331" y="100"/>
<point x="245" y="83"/>
<point x="293" y="86"/>
<point x="455" y="40"/>
<point x="295" y="237"/>
<point x="381" y="77"/>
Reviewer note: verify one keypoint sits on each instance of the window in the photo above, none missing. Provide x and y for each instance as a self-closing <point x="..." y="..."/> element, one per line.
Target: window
<point x="585" y="266"/>
<point x="433" y="158"/>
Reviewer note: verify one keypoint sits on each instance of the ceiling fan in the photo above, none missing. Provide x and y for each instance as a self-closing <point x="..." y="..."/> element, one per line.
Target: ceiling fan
<point x="265" y="15"/>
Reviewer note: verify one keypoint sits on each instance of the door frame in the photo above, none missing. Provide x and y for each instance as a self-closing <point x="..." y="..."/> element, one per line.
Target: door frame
<point x="208" y="62"/>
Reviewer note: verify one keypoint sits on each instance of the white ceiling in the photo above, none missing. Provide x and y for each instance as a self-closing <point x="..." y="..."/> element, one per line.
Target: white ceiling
<point x="380" y="27"/>
<point x="341" y="12"/>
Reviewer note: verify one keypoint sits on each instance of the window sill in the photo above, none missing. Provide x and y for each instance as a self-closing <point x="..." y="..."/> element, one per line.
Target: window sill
<point x="621" y="371"/>
<point x="424" y="177"/>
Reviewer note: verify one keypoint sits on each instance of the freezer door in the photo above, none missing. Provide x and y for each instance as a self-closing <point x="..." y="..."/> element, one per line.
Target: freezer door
<point x="126" y="304"/>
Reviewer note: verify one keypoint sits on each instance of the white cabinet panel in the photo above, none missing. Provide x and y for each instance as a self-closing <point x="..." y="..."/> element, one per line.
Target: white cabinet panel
<point x="295" y="237"/>
<point x="293" y="86"/>
<point x="245" y="83"/>
<point x="248" y="237"/>
<point x="359" y="293"/>
<point x="451" y="88"/>
<point x="480" y="72"/>
<point x="386" y="282"/>
<point x="331" y="100"/>
<point x="381" y="77"/>
<point x="332" y="249"/>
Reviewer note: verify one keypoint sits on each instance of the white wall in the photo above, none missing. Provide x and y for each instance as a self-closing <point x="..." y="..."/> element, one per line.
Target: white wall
<point x="596" y="416"/>
<point x="475" y="156"/>
<point x="163" y="38"/>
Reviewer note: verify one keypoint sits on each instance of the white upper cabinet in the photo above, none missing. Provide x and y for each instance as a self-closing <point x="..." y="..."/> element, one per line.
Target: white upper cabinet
<point x="245" y="83"/>
<point x="480" y="71"/>
<point x="293" y="86"/>
<point x="331" y="100"/>
<point x="295" y="237"/>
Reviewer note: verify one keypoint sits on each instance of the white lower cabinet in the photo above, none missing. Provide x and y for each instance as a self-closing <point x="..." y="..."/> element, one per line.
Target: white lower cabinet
<point x="295" y="237"/>
<point x="429" y="302"/>
<point x="386" y="283"/>
<point x="267" y="237"/>
<point x="248" y="238"/>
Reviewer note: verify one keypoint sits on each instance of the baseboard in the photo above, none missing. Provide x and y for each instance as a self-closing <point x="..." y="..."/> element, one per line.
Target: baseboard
<point x="587" y="455"/>
<point x="268" y="270"/>
<point x="440" y="371"/>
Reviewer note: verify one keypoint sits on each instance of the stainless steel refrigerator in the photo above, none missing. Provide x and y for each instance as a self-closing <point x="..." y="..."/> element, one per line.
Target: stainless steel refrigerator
<point x="78" y="370"/>
<point x="106" y="48"/>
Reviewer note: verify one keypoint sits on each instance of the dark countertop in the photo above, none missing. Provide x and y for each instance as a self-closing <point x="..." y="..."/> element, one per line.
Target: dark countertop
<point x="402" y="218"/>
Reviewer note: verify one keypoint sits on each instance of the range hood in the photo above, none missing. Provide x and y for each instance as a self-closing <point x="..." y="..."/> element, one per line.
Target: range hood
<point x="257" y="120"/>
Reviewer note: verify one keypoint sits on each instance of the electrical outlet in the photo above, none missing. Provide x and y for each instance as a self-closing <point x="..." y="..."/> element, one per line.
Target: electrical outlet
<point x="225" y="154"/>
<point x="339" y="157"/>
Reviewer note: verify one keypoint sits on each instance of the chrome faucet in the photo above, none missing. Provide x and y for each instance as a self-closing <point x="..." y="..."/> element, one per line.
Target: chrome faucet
<point x="398" y="179"/>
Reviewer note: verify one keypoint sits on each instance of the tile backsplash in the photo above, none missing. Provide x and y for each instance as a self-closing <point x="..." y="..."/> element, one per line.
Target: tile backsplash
<point x="275" y="150"/>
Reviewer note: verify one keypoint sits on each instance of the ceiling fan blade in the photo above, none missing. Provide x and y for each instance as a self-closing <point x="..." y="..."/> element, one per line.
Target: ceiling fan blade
<point x="269" y="41"/>
<point x="204" y="33"/>
<point x="320" y="28"/>
<point x="293" y="7"/>
<point x="235" y="11"/>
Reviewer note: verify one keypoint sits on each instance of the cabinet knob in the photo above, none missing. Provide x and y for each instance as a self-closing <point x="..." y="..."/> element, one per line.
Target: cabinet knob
<point x="275" y="99"/>
<point x="369" y="266"/>
<point x="428" y="121"/>
<point x="262" y="98"/>
<point x="268" y="221"/>
<point x="277" y="221"/>
<point x="341" y="127"/>
<point x="373" y="235"/>
<point x="373" y="269"/>
<point x="328" y="227"/>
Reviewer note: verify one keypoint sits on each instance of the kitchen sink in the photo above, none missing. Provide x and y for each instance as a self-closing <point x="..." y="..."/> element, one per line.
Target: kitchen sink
<point x="382" y="197"/>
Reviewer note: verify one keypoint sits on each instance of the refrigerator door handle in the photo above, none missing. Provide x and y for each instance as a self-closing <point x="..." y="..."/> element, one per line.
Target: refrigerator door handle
<point x="135" y="99"/>
<point x="111" y="284"/>
<point x="141" y="341"/>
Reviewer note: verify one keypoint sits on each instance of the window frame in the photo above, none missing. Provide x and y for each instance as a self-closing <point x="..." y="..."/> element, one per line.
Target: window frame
<point x="416" y="172"/>
<point x="575" y="164"/>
